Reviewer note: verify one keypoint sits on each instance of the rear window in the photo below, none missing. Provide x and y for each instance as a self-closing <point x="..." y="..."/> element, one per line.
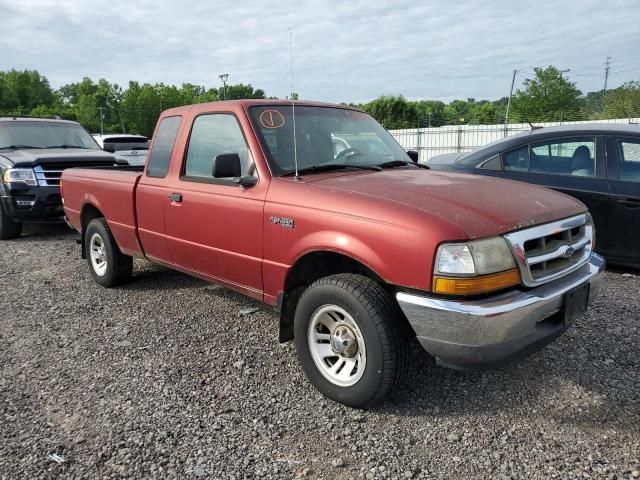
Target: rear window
<point x="165" y="140"/>
<point x="630" y="160"/>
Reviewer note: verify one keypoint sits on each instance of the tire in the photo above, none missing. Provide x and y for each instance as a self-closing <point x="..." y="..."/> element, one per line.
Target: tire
<point x="367" y="335"/>
<point x="109" y="267"/>
<point x="8" y="228"/>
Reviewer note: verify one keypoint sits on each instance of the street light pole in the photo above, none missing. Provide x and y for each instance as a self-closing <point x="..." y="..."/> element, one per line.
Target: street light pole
<point x="506" y="115"/>
<point x="224" y="77"/>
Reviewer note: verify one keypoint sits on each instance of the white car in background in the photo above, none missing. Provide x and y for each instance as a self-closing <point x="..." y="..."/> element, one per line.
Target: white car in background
<point x="127" y="147"/>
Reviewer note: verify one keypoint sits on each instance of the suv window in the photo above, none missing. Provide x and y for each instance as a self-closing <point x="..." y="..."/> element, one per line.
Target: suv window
<point x="165" y="139"/>
<point x="517" y="160"/>
<point x="570" y="156"/>
<point x="213" y="135"/>
<point x="630" y="160"/>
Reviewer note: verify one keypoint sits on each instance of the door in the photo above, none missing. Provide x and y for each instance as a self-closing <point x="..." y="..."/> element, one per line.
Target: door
<point x="571" y="165"/>
<point x="624" y="181"/>
<point x="214" y="226"/>
<point x="153" y="189"/>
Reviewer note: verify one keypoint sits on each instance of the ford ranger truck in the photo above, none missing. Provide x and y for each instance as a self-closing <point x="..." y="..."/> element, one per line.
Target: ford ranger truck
<point x="33" y="154"/>
<point x="316" y="210"/>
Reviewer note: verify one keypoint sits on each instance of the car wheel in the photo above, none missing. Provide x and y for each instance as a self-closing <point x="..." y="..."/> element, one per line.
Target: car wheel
<point x="108" y="265"/>
<point x="351" y="339"/>
<point x="8" y="228"/>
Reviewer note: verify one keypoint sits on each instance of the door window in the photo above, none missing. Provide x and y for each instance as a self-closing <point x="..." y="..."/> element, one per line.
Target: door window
<point x="572" y="156"/>
<point x="163" y="143"/>
<point x="517" y="160"/>
<point x="213" y="135"/>
<point x="630" y="161"/>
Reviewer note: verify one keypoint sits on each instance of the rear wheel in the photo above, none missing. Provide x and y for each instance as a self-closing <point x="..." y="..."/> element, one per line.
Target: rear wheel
<point x="108" y="265"/>
<point x="8" y="228"/>
<point x="350" y="339"/>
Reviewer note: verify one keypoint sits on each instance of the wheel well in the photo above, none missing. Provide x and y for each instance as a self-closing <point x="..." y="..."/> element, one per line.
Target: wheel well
<point x="304" y="272"/>
<point x="89" y="212"/>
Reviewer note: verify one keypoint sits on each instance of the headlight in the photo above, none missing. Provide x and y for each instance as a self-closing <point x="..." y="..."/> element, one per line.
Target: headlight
<point x="474" y="267"/>
<point x="20" y="175"/>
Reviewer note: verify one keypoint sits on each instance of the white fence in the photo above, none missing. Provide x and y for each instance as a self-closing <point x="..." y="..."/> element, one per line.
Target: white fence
<point x="430" y="142"/>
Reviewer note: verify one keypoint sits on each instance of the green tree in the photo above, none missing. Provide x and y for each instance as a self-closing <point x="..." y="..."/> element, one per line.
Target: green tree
<point x="21" y="91"/>
<point x="623" y="101"/>
<point x="547" y="97"/>
<point x="393" y="112"/>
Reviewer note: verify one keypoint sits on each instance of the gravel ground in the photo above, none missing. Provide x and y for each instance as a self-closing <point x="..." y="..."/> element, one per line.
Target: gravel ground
<point x="171" y="377"/>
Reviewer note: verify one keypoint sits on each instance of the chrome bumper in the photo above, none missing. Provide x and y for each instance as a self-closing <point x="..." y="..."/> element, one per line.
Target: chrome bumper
<point x="491" y="331"/>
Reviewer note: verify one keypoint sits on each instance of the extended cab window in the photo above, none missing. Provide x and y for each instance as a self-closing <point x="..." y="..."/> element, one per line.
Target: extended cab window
<point x="213" y="135"/>
<point x="160" y="155"/>
<point x="569" y="156"/>
<point x="630" y="160"/>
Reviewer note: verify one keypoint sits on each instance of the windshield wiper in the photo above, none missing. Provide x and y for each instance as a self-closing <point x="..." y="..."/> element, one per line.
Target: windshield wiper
<point x="67" y="146"/>
<point x="18" y="147"/>
<point x="403" y="163"/>
<point x="327" y="167"/>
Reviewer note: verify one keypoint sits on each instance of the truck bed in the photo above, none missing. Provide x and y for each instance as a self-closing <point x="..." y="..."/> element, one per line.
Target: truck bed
<point x="111" y="191"/>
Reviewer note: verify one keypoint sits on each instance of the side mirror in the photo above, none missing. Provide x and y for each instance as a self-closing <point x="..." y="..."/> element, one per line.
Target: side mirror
<point x="247" y="181"/>
<point x="413" y="155"/>
<point x="109" y="147"/>
<point x="227" y="165"/>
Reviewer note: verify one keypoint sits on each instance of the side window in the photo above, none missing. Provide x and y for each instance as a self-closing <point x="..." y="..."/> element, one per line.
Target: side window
<point x="160" y="155"/>
<point x="517" y="160"/>
<point x="492" y="164"/>
<point x="567" y="156"/>
<point x="213" y="135"/>
<point x="630" y="160"/>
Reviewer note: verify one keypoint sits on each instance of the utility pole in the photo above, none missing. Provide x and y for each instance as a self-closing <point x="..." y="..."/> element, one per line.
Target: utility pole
<point x="506" y="115"/>
<point x="607" y="67"/>
<point x="224" y="77"/>
<point x="564" y="71"/>
<point x="101" y="121"/>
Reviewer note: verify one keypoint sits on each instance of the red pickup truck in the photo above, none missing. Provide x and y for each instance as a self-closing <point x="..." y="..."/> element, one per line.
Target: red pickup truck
<point x="316" y="210"/>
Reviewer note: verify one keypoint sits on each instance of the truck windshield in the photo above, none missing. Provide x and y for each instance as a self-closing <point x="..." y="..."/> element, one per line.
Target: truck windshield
<point x="324" y="136"/>
<point x="23" y="134"/>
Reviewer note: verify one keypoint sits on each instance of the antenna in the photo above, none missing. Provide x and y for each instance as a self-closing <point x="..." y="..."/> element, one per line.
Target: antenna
<point x="293" y="107"/>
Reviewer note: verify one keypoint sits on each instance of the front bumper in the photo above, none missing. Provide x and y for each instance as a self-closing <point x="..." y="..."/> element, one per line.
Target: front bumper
<point x="491" y="331"/>
<point x="33" y="204"/>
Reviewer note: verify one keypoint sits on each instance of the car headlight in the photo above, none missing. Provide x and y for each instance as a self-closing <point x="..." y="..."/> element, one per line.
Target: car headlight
<point x="20" y="175"/>
<point x="478" y="266"/>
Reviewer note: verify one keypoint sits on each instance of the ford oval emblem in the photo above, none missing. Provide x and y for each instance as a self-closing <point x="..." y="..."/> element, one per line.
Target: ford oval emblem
<point x="568" y="252"/>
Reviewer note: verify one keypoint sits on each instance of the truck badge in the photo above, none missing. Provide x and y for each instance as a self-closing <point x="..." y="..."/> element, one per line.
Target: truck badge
<point x="282" y="221"/>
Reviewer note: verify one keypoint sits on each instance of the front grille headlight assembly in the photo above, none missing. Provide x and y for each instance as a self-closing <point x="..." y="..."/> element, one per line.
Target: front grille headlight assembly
<point x="20" y="175"/>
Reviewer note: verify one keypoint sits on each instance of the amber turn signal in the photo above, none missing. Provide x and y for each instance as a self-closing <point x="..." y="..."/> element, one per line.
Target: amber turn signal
<point x="475" y="285"/>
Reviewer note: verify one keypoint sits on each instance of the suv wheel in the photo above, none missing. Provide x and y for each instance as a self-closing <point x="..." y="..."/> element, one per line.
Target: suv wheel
<point x="108" y="265"/>
<point x="351" y="340"/>
<point x="8" y="228"/>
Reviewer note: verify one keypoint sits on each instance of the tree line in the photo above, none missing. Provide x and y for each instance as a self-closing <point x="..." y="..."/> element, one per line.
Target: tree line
<point x="107" y="106"/>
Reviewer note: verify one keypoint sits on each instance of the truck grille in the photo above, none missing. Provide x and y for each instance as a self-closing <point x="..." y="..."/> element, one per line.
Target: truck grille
<point x="49" y="174"/>
<point x="550" y="251"/>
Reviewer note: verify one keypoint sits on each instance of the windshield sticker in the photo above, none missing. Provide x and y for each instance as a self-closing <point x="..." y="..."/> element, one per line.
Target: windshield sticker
<point x="271" y="119"/>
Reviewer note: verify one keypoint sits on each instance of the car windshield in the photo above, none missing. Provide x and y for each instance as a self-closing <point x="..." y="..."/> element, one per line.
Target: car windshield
<point x="24" y="134"/>
<point x="324" y="136"/>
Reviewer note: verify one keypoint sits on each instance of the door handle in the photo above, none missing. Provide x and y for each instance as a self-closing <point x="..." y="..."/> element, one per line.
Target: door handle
<point x="631" y="202"/>
<point x="175" y="197"/>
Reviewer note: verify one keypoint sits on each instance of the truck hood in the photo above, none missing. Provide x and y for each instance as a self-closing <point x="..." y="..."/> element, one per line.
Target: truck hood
<point x="478" y="205"/>
<point x="72" y="156"/>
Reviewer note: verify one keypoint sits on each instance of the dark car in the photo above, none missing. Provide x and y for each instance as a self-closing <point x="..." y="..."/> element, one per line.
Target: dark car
<point x="598" y="164"/>
<point x="33" y="154"/>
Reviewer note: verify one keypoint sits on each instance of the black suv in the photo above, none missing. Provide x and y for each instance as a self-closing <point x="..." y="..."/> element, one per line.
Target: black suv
<point x="33" y="154"/>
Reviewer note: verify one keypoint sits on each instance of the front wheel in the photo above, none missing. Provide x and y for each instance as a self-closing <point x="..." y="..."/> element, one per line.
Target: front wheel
<point x="8" y="228"/>
<point x="350" y="339"/>
<point x="108" y="265"/>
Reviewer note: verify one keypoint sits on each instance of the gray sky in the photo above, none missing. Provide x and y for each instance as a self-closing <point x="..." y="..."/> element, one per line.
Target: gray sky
<point x="343" y="51"/>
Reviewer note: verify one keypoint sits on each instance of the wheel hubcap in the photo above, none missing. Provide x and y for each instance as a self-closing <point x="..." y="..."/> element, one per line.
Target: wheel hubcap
<point x="98" y="254"/>
<point x="337" y="345"/>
